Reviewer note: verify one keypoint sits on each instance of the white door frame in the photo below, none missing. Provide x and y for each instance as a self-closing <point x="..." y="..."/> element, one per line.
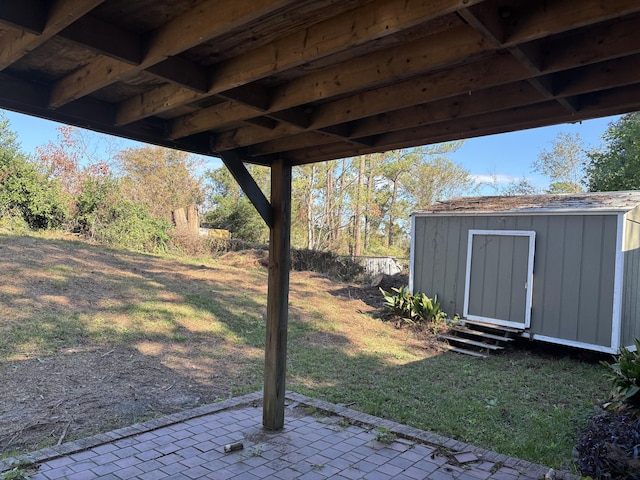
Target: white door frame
<point x="528" y="285"/>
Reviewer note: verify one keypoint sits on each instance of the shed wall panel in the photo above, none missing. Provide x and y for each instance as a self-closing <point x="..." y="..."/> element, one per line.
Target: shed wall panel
<point x="631" y="282"/>
<point x="574" y="269"/>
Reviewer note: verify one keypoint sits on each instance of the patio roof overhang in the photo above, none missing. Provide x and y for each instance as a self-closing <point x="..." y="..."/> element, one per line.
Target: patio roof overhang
<point x="288" y="82"/>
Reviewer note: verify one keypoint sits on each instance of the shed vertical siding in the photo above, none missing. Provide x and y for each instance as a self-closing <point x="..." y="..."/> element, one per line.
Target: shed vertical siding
<point x="574" y="269"/>
<point x="631" y="282"/>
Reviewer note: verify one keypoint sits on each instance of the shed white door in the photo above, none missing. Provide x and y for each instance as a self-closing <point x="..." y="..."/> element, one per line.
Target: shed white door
<point x="499" y="277"/>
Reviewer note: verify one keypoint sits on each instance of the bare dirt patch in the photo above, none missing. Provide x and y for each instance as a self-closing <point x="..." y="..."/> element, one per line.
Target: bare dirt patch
<point x="93" y="339"/>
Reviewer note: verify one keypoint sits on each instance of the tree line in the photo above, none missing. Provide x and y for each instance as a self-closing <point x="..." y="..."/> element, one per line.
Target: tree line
<point x="124" y="199"/>
<point x="358" y="206"/>
<point x="354" y="206"/>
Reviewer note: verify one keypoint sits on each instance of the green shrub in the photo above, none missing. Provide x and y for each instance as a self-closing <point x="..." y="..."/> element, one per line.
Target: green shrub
<point x="416" y="308"/>
<point x="40" y="200"/>
<point x="624" y="375"/>
<point x="106" y="217"/>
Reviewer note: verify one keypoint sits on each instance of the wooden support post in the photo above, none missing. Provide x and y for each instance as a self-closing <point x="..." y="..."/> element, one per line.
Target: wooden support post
<point x="277" y="297"/>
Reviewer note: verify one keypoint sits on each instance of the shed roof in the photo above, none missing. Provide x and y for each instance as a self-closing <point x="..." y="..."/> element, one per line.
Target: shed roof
<point x="312" y="80"/>
<point x="528" y="204"/>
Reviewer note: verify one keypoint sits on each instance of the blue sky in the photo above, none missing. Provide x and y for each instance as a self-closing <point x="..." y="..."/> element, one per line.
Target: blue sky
<point x="510" y="156"/>
<point x="506" y="156"/>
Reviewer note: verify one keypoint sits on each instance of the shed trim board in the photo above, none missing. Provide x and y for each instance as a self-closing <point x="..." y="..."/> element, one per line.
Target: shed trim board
<point x="528" y="296"/>
<point x="570" y="343"/>
<point x="412" y="252"/>
<point x="616" y="314"/>
<point x="509" y="213"/>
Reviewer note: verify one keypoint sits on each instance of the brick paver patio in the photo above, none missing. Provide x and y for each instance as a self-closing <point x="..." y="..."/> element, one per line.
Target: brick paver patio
<point x="319" y="441"/>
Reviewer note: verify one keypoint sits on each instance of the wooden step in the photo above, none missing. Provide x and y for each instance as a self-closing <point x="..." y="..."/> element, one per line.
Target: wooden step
<point x="464" y="351"/>
<point x="491" y="326"/>
<point x="469" y="342"/>
<point x="479" y="333"/>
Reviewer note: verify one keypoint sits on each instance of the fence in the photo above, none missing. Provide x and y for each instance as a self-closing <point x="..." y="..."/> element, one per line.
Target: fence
<point x="386" y="265"/>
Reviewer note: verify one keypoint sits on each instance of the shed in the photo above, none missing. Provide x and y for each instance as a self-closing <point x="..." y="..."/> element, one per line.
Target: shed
<point x="563" y="269"/>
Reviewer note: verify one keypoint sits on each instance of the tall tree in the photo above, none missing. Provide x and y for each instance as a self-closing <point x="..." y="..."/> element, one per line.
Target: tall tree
<point x="160" y="179"/>
<point x="564" y="164"/>
<point x="360" y="196"/>
<point x="617" y="165"/>
<point x="438" y="179"/>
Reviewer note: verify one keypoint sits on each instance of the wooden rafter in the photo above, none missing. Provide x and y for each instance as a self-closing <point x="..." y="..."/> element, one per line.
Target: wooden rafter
<point x="20" y="41"/>
<point x="364" y="24"/>
<point x="209" y="20"/>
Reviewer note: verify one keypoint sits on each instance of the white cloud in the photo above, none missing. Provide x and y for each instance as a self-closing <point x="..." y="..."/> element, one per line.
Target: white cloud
<point x="493" y="178"/>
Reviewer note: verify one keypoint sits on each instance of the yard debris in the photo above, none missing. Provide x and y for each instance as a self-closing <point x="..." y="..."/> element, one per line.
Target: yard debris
<point x="232" y="447"/>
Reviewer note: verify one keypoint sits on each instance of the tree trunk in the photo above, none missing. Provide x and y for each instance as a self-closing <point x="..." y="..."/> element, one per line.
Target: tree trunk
<point x="357" y="223"/>
<point x="193" y="219"/>
<point x="392" y="207"/>
<point x="368" y="203"/>
<point x="329" y="204"/>
<point x="311" y="243"/>
<point x="180" y="220"/>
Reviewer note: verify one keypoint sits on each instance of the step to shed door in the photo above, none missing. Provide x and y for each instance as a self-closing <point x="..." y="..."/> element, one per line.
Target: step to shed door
<point x="478" y="338"/>
<point x="499" y="277"/>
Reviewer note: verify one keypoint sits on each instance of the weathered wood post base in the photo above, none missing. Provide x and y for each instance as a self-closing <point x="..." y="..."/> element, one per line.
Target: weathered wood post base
<point x="277" y="297"/>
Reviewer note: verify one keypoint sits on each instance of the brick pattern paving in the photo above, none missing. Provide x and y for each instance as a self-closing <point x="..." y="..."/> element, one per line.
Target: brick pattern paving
<point x="324" y="441"/>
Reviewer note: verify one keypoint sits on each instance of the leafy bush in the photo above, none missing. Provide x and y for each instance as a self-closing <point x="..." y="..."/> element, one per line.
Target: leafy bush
<point x="416" y="308"/>
<point x="624" y="375"/>
<point x="106" y="217"/>
<point x="240" y="218"/>
<point x="40" y="200"/>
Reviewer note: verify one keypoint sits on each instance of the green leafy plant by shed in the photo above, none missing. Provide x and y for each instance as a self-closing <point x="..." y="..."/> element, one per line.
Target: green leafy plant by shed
<point x="413" y="308"/>
<point x="624" y="375"/>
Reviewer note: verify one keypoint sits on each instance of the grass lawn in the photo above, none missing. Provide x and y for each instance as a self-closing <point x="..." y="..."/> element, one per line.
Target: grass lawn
<point x="198" y="326"/>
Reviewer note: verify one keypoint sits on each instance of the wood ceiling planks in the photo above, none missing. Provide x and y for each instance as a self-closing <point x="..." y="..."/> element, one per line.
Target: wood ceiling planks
<point x="308" y="80"/>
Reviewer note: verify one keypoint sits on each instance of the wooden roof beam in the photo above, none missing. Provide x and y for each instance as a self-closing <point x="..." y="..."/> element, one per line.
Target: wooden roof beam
<point x="600" y="104"/>
<point x="370" y="70"/>
<point x="19" y="95"/>
<point x="580" y="81"/>
<point x="182" y="72"/>
<point x="204" y="22"/>
<point x="465" y="105"/>
<point x="587" y="80"/>
<point x="576" y="83"/>
<point x="494" y="32"/>
<point x="27" y="15"/>
<point x="359" y="26"/>
<point x="542" y="19"/>
<point x="613" y="73"/>
<point x="58" y="14"/>
<point x="105" y="38"/>
<point x="434" y="86"/>
<point x="590" y="45"/>
<point x="587" y="47"/>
